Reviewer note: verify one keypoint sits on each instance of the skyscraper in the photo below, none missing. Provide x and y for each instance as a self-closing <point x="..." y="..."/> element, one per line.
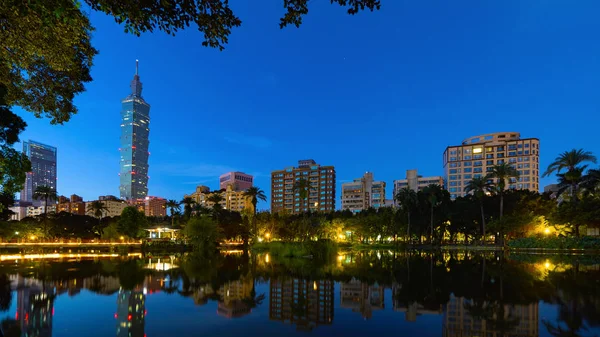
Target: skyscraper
<point x="135" y="129"/>
<point x="43" y="169"/>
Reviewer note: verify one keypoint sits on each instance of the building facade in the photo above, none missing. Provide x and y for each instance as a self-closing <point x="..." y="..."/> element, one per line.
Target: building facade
<point x="231" y="200"/>
<point x="74" y="205"/>
<point x="416" y="182"/>
<point x="239" y="181"/>
<point x="135" y="131"/>
<point x="113" y="208"/>
<point x="363" y="193"/>
<point x="43" y="169"/>
<point x="476" y="156"/>
<point x="319" y="188"/>
<point x="155" y="206"/>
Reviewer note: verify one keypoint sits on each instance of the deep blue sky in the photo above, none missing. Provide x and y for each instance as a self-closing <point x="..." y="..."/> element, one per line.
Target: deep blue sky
<point x="382" y="92"/>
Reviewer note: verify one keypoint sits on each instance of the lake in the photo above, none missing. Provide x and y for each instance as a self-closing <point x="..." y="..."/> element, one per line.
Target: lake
<point x="351" y="294"/>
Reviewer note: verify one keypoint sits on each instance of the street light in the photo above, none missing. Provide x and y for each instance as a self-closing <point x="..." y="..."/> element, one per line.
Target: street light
<point x="547" y="231"/>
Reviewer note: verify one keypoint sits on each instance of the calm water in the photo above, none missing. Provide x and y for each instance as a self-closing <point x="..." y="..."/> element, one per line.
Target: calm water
<point x="353" y="294"/>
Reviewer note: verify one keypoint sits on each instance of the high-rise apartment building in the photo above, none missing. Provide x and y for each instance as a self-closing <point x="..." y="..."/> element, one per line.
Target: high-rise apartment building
<point x="74" y="205"/>
<point x="43" y="169"/>
<point x="135" y="130"/>
<point x="476" y="156"/>
<point x="319" y="187"/>
<point x="363" y="193"/>
<point x="239" y="181"/>
<point x="416" y="182"/>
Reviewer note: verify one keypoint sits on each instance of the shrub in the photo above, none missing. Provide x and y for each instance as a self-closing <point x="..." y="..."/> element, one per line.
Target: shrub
<point x="586" y="242"/>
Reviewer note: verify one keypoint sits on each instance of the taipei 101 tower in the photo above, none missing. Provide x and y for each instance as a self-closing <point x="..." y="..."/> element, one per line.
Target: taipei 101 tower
<point x="135" y="130"/>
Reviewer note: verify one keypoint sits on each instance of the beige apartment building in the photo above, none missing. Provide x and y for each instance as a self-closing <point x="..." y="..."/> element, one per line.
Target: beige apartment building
<point x="232" y="200"/>
<point x="363" y="193"/>
<point x="476" y="156"/>
<point x="113" y="207"/>
<point x="321" y="193"/>
<point x="416" y="182"/>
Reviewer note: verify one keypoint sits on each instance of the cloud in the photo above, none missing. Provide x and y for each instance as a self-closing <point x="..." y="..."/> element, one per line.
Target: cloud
<point x="254" y="141"/>
<point x="201" y="170"/>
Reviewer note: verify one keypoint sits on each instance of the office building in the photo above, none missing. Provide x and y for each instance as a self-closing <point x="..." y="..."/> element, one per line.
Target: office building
<point x="231" y="200"/>
<point x="363" y="193"/>
<point x="239" y="181"/>
<point x="416" y="182"/>
<point x="155" y="206"/>
<point x="476" y="157"/>
<point x="135" y="130"/>
<point x="320" y="191"/>
<point x="305" y="303"/>
<point x="43" y="170"/>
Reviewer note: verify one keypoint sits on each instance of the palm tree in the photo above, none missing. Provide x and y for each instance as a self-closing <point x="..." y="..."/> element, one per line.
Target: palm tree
<point x="256" y="194"/>
<point x="45" y="193"/>
<point x="503" y="172"/>
<point x="480" y="187"/>
<point x="408" y="200"/>
<point x="591" y="181"/>
<point x="97" y="208"/>
<point x="216" y="199"/>
<point x="570" y="160"/>
<point x="173" y="206"/>
<point x="434" y="195"/>
<point x="302" y="186"/>
<point x="187" y="206"/>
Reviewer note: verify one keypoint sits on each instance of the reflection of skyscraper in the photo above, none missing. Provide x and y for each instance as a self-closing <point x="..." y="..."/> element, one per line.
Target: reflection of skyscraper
<point x="360" y="297"/>
<point x="131" y="312"/>
<point x="34" y="311"/>
<point x="459" y="319"/>
<point x="233" y="295"/>
<point x="43" y="169"/>
<point x="135" y="131"/>
<point x="303" y="302"/>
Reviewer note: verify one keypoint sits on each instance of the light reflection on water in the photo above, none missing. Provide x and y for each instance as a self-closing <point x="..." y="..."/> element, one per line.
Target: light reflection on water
<point x="450" y="294"/>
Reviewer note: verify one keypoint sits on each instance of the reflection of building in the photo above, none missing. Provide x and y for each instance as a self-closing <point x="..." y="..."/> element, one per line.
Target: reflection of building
<point x="43" y="170"/>
<point x="360" y="297"/>
<point x="302" y="302"/>
<point x="135" y="130"/>
<point x="233" y="295"/>
<point x="34" y="311"/>
<point x="231" y="200"/>
<point x="413" y="310"/>
<point x="520" y="320"/>
<point x="363" y="193"/>
<point x="130" y="313"/>
<point x="320" y="196"/>
<point x="476" y="156"/>
<point x="238" y="180"/>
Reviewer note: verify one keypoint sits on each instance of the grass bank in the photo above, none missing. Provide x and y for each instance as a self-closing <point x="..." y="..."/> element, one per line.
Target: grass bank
<point x="556" y="243"/>
<point x="323" y="249"/>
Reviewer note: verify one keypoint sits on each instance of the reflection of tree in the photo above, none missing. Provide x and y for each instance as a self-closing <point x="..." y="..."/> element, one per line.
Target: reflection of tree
<point x="10" y="328"/>
<point x="5" y="292"/>
<point x="131" y="274"/>
<point x="253" y="301"/>
<point x="501" y="319"/>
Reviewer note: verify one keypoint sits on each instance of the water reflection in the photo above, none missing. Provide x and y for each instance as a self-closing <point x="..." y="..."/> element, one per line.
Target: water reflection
<point x="458" y="294"/>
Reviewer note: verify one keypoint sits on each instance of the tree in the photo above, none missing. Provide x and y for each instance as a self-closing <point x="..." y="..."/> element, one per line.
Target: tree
<point x="591" y="181"/>
<point x="45" y="193"/>
<point x="255" y="193"/>
<point x="131" y="222"/>
<point x="216" y="198"/>
<point x="480" y="186"/>
<point x="408" y="201"/>
<point x="97" y="208"/>
<point x="435" y="196"/>
<point x="302" y="187"/>
<point x="570" y="161"/>
<point x="202" y="233"/>
<point x="502" y="172"/>
<point x="187" y="206"/>
<point x="173" y="206"/>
